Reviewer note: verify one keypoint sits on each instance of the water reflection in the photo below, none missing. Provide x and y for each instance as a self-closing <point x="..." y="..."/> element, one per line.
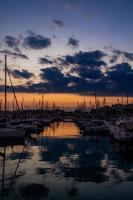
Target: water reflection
<point x="62" y="130"/>
<point x="61" y="164"/>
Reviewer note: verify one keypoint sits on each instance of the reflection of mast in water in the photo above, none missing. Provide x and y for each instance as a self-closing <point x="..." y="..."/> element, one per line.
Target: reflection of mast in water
<point x="22" y="104"/>
<point x="46" y="136"/>
<point x="3" y="173"/>
<point x="46" y="131"/>
<point x="77" y="129"/>
<point x="57" y="124"/>
<point x="33" y="104"/>
<point x="53" y="128"/>
<point x="49" y="131"/>
<point x="14" y="175"/>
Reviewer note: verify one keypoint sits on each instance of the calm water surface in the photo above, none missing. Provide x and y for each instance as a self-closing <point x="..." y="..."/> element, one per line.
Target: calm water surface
<point x="61" y="164"/>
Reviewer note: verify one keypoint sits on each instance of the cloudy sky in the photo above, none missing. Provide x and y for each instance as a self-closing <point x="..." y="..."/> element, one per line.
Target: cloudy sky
<point x="68" y="46"/>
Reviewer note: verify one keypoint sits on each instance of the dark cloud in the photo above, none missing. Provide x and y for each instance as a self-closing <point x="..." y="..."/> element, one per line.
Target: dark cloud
<point x="58" y="23"/>
<point x="84" y="76"/>
<point x="14" y="54"/>
<point x="89" y="73"/>
<point x="117" y="53"/>
<point x="23" y="74"/>
<point x="77" y="84"/>
<point x="73" y="42"/>
<point x="116" y="81"/>
<point x="43" y="60"/>
<point x="66" y="84"/>
<point x="36" y="41"/>
<point x="58" y="82"/>
<point x="51" y="74"/>
<point x="121" y="73"/>
<point x="12" y="42"/>
<point x="55" y="80"/>
<point x="86" y="58"/>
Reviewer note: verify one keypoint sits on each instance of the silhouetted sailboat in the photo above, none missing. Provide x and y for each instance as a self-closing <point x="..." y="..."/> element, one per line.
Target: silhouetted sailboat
<point x="8" y="132"/>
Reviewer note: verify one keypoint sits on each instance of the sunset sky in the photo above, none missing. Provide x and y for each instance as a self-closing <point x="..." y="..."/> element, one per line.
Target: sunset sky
<point x="68" y="46"/>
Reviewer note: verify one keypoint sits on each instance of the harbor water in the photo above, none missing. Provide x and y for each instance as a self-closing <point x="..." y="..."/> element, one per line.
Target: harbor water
<point x="61" y="164"/>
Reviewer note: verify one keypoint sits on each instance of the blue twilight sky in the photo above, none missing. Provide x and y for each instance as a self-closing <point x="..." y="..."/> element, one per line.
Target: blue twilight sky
<point x="53" y="29"/>
<point x="96" y="22"/>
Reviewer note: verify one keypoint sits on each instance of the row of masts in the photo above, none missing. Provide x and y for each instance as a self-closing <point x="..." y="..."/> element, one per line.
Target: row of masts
<point x="35" y="105"/>
<point x="5" y="83"/>
<point x="123" y="100"/>
<point x="45" y="105"/>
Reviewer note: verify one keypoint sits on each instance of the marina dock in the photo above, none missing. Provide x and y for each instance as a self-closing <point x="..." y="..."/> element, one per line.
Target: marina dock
<point x="20" y="124"/>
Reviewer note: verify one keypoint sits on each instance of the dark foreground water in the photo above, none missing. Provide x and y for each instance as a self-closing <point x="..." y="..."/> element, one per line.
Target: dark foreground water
<point x="60" y="164"/>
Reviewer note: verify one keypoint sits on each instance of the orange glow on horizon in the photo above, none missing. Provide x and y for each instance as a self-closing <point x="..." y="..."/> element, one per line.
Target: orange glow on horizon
<point x="63" y="99"/>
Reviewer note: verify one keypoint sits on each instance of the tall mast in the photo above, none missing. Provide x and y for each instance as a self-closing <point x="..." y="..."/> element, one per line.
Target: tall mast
<point x="95" y="99"/>
<point x="127" y="99"/>
<point x="5" y="83"/>
<point x="42" y="101"/>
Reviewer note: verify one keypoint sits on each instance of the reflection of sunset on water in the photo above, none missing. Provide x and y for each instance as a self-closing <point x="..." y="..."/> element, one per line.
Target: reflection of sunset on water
<point x="62" y="130"/>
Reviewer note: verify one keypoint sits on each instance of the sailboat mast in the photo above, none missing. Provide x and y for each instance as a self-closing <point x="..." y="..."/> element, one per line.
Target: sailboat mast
<point x="95" y="94"/>
<point x="3" y="173"/>
<point x="5" y="83"/>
